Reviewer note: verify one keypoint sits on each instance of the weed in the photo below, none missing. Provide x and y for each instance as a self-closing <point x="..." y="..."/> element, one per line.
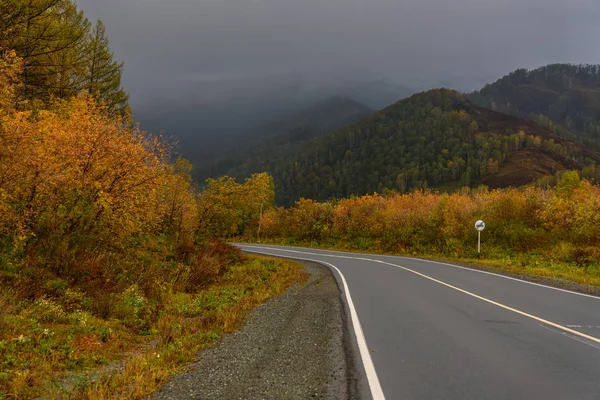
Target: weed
<point x="49" y="345"/>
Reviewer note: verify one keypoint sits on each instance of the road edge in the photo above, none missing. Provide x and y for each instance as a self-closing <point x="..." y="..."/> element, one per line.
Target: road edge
<point x="358" y="375"/>
<point x="555" y="283"/>
<point x="357" y="379"/>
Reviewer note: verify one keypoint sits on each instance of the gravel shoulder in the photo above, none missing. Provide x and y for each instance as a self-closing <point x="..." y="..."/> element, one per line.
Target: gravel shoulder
<point x="292" y="347"/>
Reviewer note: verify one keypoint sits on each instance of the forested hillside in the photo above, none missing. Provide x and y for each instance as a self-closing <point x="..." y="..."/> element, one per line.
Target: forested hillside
<point x="436" y="138"/>
<point x="563" y="97"/>
<point x="327" y="115"/>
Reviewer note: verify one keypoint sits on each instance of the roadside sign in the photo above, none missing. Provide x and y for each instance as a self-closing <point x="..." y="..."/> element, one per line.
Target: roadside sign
<point x="480" y="225"/>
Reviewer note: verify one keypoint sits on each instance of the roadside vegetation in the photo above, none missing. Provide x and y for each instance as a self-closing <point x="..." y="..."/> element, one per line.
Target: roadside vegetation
<point x="113" y="268"/>
<point x="58" y="345"/>
<point x="552" y="232"/>
<point x="112" y="275"/>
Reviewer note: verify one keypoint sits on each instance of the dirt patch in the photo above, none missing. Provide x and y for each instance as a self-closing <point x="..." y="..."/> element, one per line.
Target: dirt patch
<point x="525" y="166"/>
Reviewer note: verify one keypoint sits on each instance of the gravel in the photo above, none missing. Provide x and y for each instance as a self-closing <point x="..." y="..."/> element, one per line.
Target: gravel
<point x="296" y="346"/>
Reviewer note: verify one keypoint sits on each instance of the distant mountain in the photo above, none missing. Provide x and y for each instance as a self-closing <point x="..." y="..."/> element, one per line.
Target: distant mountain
<point x="377" y="94"/>
<point x="308" y="123"/>
<point x="208" y="117"/>
<point x="563" y="97"/>
<point x="432" y="139"/>
<point x="322" y="117"/>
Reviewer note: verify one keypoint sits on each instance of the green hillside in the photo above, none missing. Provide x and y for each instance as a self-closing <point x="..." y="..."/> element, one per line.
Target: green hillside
<point x="432" y="139"/>
<point x="563" y="97"/>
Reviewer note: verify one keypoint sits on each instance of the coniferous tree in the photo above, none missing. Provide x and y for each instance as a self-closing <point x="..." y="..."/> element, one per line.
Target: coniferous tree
<point x="48" y="36"/>
<point x="102" y="76"/>
<point x="62" y="54"/>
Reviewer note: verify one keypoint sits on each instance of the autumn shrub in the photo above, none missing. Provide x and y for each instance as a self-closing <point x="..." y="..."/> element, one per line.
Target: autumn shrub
<point x="312" y="220"/>
<point x="180" y="215"/>
<point x="561" y="224"/>
<point x="455" y="213"/>
<point x="409" y="217"/>
<point x="227" y="208"/>
<point x="274" y="223"/>
<point x="205" y="264"/>
<point x="92" y="211"/>
<point x="80" y="180"/>
<point x="86" y="199"/>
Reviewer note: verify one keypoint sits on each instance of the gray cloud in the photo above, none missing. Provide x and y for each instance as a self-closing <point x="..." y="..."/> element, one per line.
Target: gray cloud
<point x="170" y="43"/>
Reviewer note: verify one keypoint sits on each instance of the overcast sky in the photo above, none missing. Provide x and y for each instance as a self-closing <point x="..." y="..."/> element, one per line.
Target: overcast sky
<point x="166" y="41"/>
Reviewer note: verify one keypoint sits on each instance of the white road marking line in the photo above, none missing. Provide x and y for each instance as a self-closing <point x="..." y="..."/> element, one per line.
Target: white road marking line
<point x="542" y="320"/>
<point x="531" y="316"/>
<point x="563" y="333"/>
<point x="372" y="378"/>
<point x="454" y="266"/>
<point x="584" y="326"/>
<point x="502" y="276"/>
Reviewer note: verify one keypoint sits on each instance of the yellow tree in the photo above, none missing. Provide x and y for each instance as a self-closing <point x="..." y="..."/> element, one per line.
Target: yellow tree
<point x="180" y="208"/>
<point x="10" y="68"/>
<point x="79" y="180"/>
<point x="227" y="208"/>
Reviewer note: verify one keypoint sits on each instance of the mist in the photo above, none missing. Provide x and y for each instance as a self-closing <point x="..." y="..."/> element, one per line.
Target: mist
<point x="244" y="58"/>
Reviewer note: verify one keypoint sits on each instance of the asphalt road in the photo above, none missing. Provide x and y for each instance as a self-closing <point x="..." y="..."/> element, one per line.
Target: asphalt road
<point x="437" y="331"/>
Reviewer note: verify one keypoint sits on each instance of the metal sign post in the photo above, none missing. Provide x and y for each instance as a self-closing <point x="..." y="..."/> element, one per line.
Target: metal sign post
<point x="479" y="225"/>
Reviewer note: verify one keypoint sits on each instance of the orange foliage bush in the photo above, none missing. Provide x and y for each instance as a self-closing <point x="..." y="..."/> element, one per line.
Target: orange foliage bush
<point x="79" y="183"/>
<point x="516" y="219"/>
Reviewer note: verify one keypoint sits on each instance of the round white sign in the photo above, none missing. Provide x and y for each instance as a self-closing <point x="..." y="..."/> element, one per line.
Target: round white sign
<point x="480" y="225"/>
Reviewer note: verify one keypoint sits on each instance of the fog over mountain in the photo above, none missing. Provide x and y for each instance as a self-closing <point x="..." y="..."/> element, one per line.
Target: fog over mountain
<point x="209" y="68"/>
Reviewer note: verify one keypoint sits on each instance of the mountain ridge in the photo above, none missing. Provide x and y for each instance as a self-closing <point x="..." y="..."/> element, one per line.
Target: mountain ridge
<point x="431" y="139"/>
<point x="206" y="116"/>
<point x="563" y="97"/>
<point x="311" y="122"/>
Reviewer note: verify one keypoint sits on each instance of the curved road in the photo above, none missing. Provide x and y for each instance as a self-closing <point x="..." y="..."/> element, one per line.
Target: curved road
<point x="438" y="331"/>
